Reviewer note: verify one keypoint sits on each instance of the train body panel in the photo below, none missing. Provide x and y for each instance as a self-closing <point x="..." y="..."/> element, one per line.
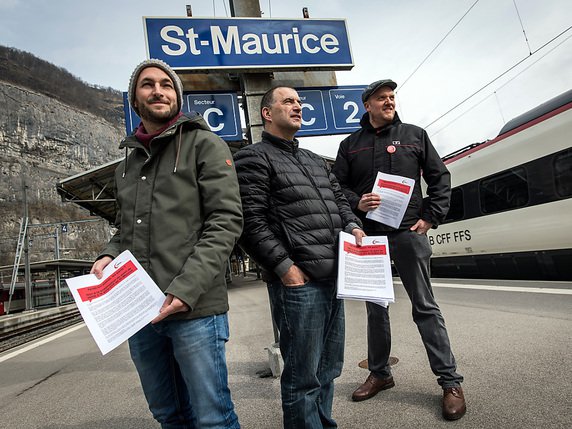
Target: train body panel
<point x="511" y="202"/>
<point x="507" y="232"/>
<point x="549" y="136"/>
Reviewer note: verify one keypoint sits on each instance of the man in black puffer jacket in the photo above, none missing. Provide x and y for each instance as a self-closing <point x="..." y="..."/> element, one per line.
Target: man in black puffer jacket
<point x="294" y="210"/>
<point x="387" y="145"/>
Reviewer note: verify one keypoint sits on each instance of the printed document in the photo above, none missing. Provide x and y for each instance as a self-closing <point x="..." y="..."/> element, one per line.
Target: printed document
<point x="119" y="304"/>
<point x="364" y="272"/>
<point x="395" y="193"/>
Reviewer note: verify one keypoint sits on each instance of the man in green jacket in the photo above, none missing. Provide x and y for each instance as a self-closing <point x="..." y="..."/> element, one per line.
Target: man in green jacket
<point x="179" y="213"/>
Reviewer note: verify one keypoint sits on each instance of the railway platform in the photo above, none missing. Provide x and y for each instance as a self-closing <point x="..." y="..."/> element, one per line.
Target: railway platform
<point x="512" y="342"/>
<point x="15" y="321"/>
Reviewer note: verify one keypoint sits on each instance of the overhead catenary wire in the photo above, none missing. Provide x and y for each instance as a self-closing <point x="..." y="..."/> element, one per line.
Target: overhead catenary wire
<point x="431" y="134"/>
<point x="522" y="26"/>
<point x="496" y="78"/>
<point x="436" y="46"/>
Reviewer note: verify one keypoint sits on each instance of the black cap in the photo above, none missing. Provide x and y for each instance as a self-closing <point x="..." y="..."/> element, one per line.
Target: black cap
<point x="375" y="86"/>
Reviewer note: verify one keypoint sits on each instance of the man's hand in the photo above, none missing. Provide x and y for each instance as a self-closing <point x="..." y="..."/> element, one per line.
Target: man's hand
<point x="99" y="265"/>
<point x="369" y="202"/>
<point x="294" y="277"/>
<point x="171" y="305"/>
<point x="358" y="234"/>
<point x="421" y="226"/>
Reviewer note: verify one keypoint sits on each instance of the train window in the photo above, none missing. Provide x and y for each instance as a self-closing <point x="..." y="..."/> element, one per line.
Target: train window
<point x="457" y="209"/>
<point x="563" y="173"/>
<point x="504" y="191"/>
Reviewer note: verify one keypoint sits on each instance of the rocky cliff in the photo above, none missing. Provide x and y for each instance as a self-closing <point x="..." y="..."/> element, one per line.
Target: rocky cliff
<point x="43" y="140"/>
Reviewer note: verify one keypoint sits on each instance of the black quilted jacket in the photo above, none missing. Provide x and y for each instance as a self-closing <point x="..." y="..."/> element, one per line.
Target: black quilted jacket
<point x="293" y="208"/>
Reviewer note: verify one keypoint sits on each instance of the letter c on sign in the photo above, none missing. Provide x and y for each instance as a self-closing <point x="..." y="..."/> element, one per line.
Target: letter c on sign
<point x="206" y="115"/>
<point x="311" y="121"/>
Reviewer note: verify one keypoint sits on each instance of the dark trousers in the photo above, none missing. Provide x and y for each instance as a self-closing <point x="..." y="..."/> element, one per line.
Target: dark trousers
<point x="410" y="253"/>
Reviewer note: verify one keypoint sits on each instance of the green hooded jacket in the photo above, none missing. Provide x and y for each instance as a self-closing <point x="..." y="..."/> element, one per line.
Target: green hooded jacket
<point x="179" y="213"/>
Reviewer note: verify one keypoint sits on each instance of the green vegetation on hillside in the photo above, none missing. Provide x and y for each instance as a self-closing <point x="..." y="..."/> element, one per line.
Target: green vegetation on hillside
<point x="26" y="70"/>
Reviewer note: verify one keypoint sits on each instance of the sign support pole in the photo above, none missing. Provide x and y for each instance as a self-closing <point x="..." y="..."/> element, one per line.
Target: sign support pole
<point x="252" y="85"/>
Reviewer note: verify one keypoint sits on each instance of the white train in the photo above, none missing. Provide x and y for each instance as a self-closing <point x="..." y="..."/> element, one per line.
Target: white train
<point x="511" y="206"/>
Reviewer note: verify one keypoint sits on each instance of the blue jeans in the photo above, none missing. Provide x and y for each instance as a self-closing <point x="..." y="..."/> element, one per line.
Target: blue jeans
<point x="182" y="367"/>
<point x="311" y="323"/>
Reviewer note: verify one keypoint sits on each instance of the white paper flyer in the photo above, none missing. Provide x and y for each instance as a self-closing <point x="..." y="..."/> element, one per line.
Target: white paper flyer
<point x="119" y="304"/>
<point x="395" y="193"/>
<point x="364" y="272"/>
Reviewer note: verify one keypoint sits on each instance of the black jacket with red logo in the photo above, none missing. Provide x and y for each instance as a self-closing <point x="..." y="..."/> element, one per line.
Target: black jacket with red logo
<point x="365" y="152"/>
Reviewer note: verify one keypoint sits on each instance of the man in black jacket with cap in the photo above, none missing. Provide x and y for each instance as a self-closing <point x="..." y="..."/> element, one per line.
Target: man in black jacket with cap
<point x="387" y="145"/>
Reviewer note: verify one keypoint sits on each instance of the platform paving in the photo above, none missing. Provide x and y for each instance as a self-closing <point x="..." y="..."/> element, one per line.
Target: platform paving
<point x="513" y="349"/>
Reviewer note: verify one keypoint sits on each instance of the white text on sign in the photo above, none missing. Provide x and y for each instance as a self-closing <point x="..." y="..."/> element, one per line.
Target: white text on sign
<point x="248" y="43"/>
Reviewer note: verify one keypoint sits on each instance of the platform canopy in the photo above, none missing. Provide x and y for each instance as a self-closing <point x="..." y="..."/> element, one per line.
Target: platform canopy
<point x="92" y="190"/>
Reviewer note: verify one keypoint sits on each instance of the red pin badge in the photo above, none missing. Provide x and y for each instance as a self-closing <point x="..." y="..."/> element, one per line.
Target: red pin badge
<point x="391" y="149"/>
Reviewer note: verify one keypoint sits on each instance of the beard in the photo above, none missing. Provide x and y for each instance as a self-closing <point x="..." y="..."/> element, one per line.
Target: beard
<point x="154" y="116"/>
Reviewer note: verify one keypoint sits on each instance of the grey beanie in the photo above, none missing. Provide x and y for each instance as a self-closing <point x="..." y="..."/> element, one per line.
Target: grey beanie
<point x="163" y="66"/>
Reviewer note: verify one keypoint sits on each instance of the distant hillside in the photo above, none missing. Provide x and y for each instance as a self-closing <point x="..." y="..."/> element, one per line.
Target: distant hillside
<point x="26" y="70"/>
<point x="52" y="126"/>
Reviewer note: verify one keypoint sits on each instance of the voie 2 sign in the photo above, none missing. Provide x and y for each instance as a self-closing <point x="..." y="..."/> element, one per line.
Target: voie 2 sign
<point x="330" y="110"/>
<point x="249" y="43"/>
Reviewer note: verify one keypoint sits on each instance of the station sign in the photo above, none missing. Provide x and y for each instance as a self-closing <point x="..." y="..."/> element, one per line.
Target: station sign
<point x="330" y="110"/>
<point x="325" y="111"/>
<point x="248" y="44"/>
<point x="220" y="111"/>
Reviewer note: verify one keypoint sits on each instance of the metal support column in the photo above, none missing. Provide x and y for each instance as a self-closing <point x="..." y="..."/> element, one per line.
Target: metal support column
<point x="57" y="279"/>
<point x="27" y="274"/>
<point x="58" y="284"/>
<point x="252" y="85"/>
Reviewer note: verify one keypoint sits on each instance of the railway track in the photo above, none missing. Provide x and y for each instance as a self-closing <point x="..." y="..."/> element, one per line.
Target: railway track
<point x="14" y="332"/>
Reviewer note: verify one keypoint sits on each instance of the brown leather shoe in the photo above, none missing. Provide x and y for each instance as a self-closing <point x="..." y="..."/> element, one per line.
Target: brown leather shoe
<point x="454" y="406"/>
<point x="371" y="387"/>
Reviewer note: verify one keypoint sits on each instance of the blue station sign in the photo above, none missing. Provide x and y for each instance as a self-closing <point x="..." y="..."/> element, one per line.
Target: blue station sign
<point x="244" y="44"/>
<point x="331" y="110"/>
<point x="325" y="111"/>
<point x="220" y="111"/>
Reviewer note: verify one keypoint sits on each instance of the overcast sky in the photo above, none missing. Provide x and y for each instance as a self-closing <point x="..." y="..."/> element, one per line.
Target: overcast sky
<point x="102" y="41"/>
